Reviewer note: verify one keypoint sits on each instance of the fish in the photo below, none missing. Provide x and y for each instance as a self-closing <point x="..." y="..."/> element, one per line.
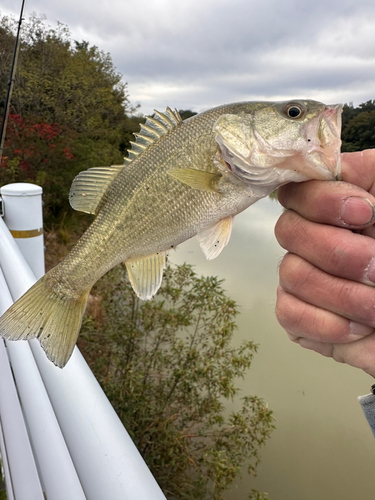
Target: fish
<point x="181" y="179"/>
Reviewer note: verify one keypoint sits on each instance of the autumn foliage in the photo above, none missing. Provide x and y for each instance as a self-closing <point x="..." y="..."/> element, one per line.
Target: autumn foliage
<point x="69" y="110"/>
<point x="39" y="153"/>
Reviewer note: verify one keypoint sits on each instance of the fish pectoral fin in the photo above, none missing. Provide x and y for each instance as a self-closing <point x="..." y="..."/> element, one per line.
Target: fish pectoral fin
<point x="89" y="187"/>
<point x="146" y="274"/>
<point x="196" y="179"/>
<point x="213" y="239"/>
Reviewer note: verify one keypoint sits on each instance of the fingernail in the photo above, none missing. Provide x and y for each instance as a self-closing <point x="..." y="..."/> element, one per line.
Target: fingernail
<point x="358" y="330"/>
<point x="356" y="211"/>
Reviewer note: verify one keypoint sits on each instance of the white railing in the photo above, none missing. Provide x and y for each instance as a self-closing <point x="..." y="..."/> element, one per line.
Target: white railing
<point x="21" y="475"/>
<point x="67" y="440"/>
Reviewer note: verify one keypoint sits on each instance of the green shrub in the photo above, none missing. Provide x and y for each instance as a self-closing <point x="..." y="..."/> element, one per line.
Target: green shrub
<point x="168" y="366"/>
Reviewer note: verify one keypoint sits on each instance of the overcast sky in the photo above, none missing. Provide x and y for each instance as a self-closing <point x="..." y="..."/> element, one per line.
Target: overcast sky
<point x="196" y="54"/>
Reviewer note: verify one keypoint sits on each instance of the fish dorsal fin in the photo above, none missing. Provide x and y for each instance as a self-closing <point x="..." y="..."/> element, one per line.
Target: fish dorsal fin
<point x="89" y="187"/>
<point x="155" y="127"/>
<point x="146" y="274"/>
<point x="213" y="239"/>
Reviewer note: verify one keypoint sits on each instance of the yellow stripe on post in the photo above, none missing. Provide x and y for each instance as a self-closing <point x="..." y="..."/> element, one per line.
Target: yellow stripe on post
<point x="30" y="233"/>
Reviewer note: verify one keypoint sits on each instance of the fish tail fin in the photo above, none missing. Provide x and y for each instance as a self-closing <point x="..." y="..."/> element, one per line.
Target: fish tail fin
<point x="43" y="313"/>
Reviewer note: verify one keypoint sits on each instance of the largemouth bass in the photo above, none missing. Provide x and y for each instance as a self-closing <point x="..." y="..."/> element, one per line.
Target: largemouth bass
<point x="181" y="179"/>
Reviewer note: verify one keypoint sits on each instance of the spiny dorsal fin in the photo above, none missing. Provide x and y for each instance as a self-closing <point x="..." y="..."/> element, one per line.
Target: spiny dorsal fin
<point x="155" y="127"/>
<point x="89" y="187"/>
<point x="146" y="274"/>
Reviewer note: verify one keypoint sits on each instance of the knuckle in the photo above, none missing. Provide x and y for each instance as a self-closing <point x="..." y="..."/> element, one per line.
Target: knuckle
<point x="290" y="313"/>
<point x="358" y="301"/>
<point x="340" y="257"/>
<point x="284" y="312"/>
<point x="287" y="228"/>
<point x="296" y="274"/>
<point x="284" y="194"/>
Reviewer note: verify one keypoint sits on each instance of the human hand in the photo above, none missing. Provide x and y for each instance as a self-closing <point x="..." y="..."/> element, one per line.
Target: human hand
<point x="326" y="296"/>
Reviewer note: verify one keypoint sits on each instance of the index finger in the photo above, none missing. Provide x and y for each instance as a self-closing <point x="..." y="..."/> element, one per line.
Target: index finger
<point x="347" y="204"/>
<point x="359" y="169"/>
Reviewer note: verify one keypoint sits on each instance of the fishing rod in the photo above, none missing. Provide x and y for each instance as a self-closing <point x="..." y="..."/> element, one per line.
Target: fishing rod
<point x="10" y="85"/>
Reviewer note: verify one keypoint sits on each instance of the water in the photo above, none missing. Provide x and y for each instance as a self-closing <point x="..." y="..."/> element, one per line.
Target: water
<point x="322" y="448"/>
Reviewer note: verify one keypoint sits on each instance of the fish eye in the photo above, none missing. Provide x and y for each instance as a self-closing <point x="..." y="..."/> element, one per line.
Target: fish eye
<point x="293" y="110"/>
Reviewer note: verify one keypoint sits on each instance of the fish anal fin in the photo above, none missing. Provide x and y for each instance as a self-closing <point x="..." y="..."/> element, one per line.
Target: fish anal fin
<point x="146" y="274"/>
<point x="213" y="239"/>
<point x="196" y="179"/>
<point x="89" y="187"/>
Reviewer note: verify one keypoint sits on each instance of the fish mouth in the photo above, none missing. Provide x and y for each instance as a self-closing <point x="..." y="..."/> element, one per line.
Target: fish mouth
<point x="323" y="155"/>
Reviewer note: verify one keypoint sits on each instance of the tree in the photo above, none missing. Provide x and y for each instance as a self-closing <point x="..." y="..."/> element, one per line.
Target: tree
<point x="7" y="42"/>
<point x="34" y="150"/>
<point x="63" y="81"/>
<point x="186" y="113"/>
<point x="358" y="127"/>
<point x="167" y="365"/>
<point x="68" y="86"/>
<point x="359" y="133"/>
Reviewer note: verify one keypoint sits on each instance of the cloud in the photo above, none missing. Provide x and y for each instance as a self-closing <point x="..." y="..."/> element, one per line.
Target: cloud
<point x="194" y="54"/>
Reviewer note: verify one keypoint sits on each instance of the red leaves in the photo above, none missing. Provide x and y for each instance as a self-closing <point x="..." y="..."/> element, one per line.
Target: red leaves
<point x="31" y="145"/>
<point x="45" y="131"/>
<point x="68" y="153"/>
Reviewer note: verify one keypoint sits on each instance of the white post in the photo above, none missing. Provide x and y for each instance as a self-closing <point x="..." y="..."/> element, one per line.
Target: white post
<point x="108" y="464"/>
<point x="24" y="218"/>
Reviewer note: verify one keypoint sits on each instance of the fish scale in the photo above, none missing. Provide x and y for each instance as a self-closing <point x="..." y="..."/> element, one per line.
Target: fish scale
<point x="181" y="179"/>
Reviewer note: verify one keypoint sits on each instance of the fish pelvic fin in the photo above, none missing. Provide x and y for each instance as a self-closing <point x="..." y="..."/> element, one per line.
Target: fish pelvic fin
<point x="46" y="315"/>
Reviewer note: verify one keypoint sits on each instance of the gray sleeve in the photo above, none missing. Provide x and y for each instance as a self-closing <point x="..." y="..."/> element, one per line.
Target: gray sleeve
<point x="368" y="406"/>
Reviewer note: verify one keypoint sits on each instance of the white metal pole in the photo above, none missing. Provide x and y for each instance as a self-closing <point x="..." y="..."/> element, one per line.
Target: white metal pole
<point x="22" y="478"/>
<point x="108" y="464"/>
<point x="5" y="467"/>
<point x="58" y="475"/>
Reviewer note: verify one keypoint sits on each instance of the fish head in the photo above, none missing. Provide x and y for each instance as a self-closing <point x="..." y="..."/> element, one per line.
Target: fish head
<point x="271" y="144"/>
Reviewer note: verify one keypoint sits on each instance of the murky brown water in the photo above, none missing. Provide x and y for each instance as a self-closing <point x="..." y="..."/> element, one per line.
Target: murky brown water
<point x="323" y="448"/>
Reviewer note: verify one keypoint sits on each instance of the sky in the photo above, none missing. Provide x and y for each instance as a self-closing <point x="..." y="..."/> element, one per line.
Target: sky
<point x="196" y="54"/>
